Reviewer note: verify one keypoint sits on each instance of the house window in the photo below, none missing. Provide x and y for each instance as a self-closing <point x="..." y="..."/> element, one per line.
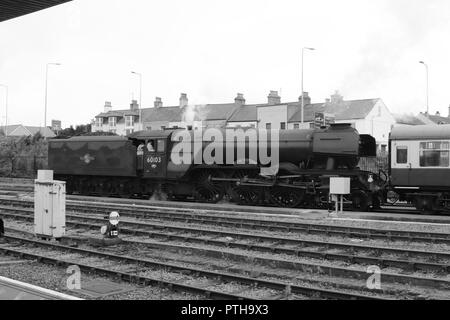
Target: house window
<point x="252" y="126"/>
<point x="98" y="122"/>
<point x="129" y="121"/>
<point x="113" y="131"/>
<point x="434" y="154"/>
<point x="268" y="126"/>
<point x="129" y="131"/>
<point x="402" y="155"/>
<point x="283" y="125"/>
<point x="296" y="126"/>
<point x="383" y="148"/>
<point x="112" y="121"/>
<point x="149" y="128"/>
<point x="312" y="125"/>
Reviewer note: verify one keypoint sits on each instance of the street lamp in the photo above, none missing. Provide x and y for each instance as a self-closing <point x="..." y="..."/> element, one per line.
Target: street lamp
<point x="426" y="67"/>
<point x="6" y="106"/>
<point x="46" y="89"/>
<point x="140" y="98"/>
<point x="303" y="98"/>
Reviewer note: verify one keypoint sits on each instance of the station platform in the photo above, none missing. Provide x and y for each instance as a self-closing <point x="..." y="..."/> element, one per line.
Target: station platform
<point x="16" y="290"/>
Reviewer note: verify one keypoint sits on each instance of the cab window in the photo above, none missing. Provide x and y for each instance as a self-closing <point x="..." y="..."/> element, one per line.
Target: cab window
<point x="402" y="155"/>
<point x="161" y="145"/>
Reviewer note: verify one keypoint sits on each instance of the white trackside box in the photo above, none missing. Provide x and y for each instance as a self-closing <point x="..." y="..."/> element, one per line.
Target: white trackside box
<point x="50" y="208"/>
<point x="339" y="185"/>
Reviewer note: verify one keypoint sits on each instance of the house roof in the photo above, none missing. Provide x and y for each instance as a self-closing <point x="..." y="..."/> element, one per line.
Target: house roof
<point x="345" y="110"/>
<point x="439" y="119"/>
<point x="118" y="113"/>
<point x="407" y="119"/>
<point x="171" y="114"/>
<point x="15" y="131"/>
<point x="206" y="112"/>
<point x="246" y="113"/>
<point x="209" y="112"/>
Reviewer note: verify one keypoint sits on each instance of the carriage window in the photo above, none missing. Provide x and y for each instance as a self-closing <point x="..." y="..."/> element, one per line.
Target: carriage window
<point x="402" y="154"/>
<point x="434" y="154"/>
<point x="161" y="145"/>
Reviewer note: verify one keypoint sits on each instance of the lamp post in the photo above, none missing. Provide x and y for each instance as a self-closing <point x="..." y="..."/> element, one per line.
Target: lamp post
<point x="141" y="123"/>
<point x="303" y="98"/>
<point x="6" y="106"/>
<point x="426" y="67"/>
<point x="46" y="89"/>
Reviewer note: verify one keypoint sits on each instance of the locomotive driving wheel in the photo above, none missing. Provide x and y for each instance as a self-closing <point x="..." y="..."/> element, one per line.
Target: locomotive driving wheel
<point x="286" y="197"/>
<point x="206" y="190"/>
<point x="243" y="194"/>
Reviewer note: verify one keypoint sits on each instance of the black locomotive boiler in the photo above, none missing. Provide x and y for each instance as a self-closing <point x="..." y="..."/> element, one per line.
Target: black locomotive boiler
<point x="142" y="165"/>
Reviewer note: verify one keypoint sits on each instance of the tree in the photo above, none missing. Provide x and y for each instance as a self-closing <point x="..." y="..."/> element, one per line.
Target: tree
<point x="9" y="153"/>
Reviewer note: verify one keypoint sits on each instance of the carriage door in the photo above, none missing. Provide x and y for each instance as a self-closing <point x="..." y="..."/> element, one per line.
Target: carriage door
<point x="401" y="163"/>
<point x="155" y="159"/>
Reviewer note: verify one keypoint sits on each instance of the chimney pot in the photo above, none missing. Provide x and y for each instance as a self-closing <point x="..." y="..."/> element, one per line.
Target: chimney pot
<point x="183" y="100"/>
<point x="438" y="113"/>
<point x="306" y="98"/>
<point x="158" y="102"/>
<point x="134" y="105"/>
<point x="108" y="106"/>
<point x="240" y="100"/>
<point x="273" y="98"/>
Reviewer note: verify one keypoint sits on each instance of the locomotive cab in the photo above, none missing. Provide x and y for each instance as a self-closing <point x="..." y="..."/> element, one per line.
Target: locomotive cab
<point x="152" y="150"/>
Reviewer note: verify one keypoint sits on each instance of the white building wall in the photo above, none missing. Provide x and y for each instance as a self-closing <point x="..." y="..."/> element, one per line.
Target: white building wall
<point x="304" y="125"/>
<point x="273" y="115"/>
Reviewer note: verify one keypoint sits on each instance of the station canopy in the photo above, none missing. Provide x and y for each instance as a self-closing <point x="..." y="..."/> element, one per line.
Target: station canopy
<point x="10" y="9"/>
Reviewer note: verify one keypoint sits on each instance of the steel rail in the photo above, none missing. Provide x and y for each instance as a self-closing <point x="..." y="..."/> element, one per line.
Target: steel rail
<point x="431" y="282"/>
<point x="221" y="276"/>
<point x="250" y="223"/>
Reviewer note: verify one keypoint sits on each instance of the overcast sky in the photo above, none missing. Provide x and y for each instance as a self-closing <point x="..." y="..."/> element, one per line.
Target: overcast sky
<point x="213" y="49"/>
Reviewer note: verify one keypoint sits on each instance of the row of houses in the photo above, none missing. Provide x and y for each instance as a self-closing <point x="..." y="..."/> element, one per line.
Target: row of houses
<point x="368" y="116"/>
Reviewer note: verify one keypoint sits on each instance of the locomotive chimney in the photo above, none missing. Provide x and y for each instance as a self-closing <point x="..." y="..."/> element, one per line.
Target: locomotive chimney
<point x="183" y="100"/>
<point x="239" y="100"/>
<point x="273" y="98"/>
<point x="108" y="107"/>
<point x="306" y="98"/>
<point x="134" y="105"/>
<point x="158" y="102"/>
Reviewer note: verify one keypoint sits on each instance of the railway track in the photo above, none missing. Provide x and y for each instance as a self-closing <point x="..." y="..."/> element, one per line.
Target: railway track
<point x="349" y="253"/>
<point x="208" y="217"/>
<point x="398" y="211"/>
<point x="25" y="247"/>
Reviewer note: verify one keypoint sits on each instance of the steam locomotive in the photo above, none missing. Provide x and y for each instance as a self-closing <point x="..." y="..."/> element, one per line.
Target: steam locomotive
<point x="147" y="163"/>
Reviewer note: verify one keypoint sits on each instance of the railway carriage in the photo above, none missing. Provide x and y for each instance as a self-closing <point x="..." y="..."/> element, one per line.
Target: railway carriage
<point x="420" y="166"/>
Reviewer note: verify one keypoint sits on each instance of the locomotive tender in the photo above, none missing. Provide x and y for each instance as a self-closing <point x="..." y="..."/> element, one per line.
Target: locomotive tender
<point x="142" y="165"/>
